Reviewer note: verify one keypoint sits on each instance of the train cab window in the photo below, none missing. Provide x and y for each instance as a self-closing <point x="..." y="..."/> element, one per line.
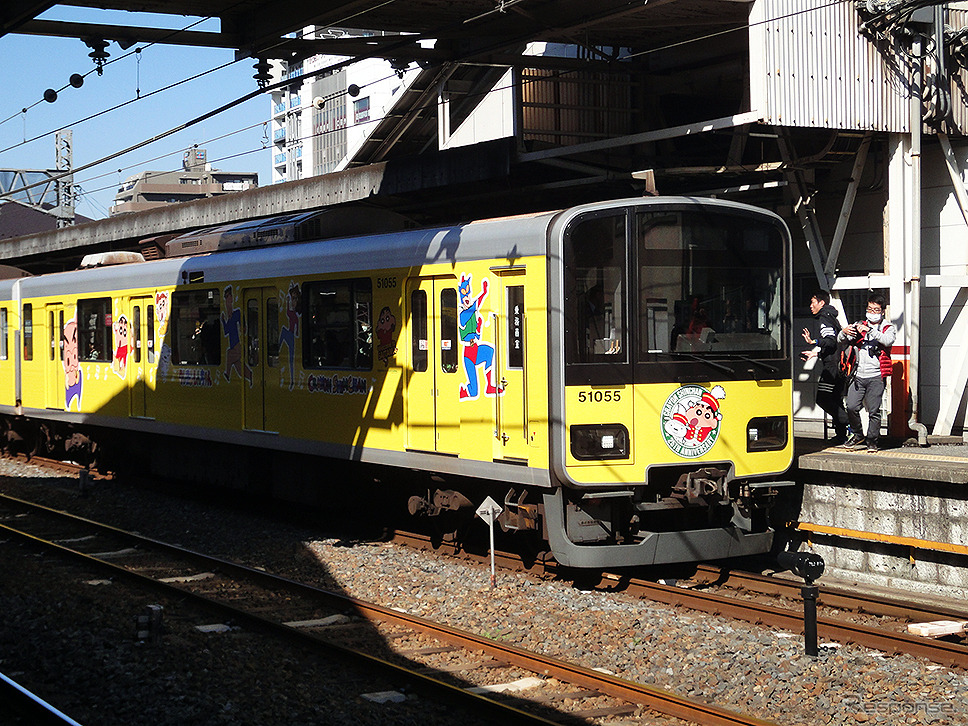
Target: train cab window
<point x="448" y="330"/>
<point x="338" y="324"/>
<point x="196" y="339"/>
<point x="3" y="334"/>
<point x="420" y="353"/>
<point x="595" y="298"/>
<point x="94" y="335"/>
<point x="707" y="285"/>
<point x="272" y="333"/>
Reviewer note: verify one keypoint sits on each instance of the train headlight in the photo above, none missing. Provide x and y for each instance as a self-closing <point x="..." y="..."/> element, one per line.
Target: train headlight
<point x="767" y="433"/>
<point x="599" y="441"/>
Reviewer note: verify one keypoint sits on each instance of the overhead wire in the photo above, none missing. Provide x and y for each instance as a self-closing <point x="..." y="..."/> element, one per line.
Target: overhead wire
<point x="407" y="40"/>
<point x="141" y="47"/>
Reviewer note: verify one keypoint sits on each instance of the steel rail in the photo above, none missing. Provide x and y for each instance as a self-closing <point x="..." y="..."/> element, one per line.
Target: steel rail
<point x="657" y="699"/>
<point x="422" y="682"/>
<point x="830" y="596"/>
<point x="30" y="706"/>
<point x="950" y="654"/>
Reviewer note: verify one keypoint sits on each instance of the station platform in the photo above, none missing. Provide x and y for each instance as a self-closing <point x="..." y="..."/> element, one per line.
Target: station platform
<point x="944" y="459"/>
<point x="896" y="518"/>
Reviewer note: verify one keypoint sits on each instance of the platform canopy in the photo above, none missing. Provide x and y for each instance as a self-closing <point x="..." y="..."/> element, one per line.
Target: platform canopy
<point x="481" y="31"/>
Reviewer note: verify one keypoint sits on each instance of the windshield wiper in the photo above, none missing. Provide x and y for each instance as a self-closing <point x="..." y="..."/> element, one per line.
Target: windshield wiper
<point x="754" y="361"/>
<point x="700" y="359"/>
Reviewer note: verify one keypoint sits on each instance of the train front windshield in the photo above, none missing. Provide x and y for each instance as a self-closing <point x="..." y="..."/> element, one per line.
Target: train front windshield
<point x="674" y="294"/>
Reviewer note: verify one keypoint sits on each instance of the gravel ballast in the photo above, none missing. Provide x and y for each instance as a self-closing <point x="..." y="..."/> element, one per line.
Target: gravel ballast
<point x="734" y="665"/>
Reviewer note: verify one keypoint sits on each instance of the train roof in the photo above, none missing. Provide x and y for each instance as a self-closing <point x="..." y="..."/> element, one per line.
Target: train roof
<point x="507" y="238"/>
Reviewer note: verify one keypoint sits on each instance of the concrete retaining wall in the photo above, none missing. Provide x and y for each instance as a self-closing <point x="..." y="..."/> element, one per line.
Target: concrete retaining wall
<point x="926" y="510"/>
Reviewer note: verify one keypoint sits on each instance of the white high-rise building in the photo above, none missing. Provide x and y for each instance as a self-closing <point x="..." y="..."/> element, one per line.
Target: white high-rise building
<point x="319" y="121"/>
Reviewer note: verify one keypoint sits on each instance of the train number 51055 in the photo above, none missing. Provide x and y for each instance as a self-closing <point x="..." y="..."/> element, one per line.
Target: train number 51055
<point x="599" y="396"/>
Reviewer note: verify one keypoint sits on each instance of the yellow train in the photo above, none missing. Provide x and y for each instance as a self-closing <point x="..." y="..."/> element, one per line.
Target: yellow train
<point x="616" y="375"/>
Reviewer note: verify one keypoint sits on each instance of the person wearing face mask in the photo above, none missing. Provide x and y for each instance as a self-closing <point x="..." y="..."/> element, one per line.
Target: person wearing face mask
<point x="873" y="337"/>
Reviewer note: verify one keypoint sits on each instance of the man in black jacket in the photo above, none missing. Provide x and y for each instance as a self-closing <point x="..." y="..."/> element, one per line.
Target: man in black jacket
<point x="822" y="335"/>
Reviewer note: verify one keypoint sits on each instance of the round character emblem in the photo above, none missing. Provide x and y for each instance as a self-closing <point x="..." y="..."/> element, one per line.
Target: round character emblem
<point x="690" y="420"/>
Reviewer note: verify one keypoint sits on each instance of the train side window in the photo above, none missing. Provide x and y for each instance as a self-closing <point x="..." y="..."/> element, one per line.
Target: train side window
<point x="52" y="334"/>
<point x="94" y="323"/>
<point x="418" y="331"/>
<point x="363" y="300"/>
<point x="3" y="334"/>
<point x="515" y="326"/>
<point x="252" y="358"/>
<point x="28" y="328"/>
<point x="448" y="330"/>
<point x="150" y="334"/>
<point x="136" y="332"/>
<point x="60" y="341"/>
<point x="338" y="328"/>
<point x="272" y="332"/>
<point x="194" y="325"/>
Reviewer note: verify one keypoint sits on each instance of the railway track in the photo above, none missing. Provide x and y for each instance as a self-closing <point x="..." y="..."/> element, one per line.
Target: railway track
<point x="24" y="707"/>
<point x="432" y="657"/>
<point x="830" y="628"/>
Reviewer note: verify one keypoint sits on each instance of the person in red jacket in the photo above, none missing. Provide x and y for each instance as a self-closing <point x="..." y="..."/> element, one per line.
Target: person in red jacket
<point x="873" y="337"/>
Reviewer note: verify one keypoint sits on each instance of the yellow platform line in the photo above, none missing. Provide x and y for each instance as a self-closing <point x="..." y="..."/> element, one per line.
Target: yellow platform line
<point x="887" y="538"/>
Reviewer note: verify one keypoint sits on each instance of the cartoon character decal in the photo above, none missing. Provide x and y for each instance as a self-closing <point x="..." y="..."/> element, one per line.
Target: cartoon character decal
<point x="289" y="332"/>
<point x="120" y="363"/>
<point x="162" y="308"/>
<point x="232" y="327"/>
<point x="72" y="370"/>
<point x="386" y="325"/>
<point x="690" y="419"/>
<point x="476" y="352"/>
<point x="164" y="360"/>
<point x="161" y="312"/>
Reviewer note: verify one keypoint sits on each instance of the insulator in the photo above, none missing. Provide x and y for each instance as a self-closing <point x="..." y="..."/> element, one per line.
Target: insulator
<point x="98" y="54"/>
<point x="261" y="72"/>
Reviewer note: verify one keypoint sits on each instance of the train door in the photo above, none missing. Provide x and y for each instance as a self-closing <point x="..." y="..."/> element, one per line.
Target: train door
<point x="54" y="320"/>
<point x="141" y="354"/>
<point x="255" y="301"/>
<point x="433" y="383"/>
<point x="510" y="359"/>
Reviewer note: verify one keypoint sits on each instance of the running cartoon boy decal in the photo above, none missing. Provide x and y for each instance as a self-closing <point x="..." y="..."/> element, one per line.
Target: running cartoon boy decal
<point x="476" y="352"/>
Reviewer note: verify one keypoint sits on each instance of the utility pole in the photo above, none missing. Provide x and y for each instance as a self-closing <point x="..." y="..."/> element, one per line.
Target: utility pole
<point x="64" y="211"/>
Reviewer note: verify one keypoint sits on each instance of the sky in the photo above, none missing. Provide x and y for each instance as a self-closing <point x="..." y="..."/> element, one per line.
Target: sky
<point x="235" y="140"/>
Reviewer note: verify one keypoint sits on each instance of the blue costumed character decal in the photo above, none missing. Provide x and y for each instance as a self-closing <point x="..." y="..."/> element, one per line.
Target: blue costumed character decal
<point x="476" y="353"/>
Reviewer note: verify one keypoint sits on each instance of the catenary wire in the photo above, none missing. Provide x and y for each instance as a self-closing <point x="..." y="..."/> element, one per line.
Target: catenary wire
<point x="342" y="64"/>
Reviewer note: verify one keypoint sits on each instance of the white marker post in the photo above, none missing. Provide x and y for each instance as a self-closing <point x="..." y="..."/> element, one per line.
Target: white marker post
<point x="489" y="511"/>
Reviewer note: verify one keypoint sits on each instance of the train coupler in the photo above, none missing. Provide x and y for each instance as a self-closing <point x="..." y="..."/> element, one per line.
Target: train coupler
<point x="442" y="500"/>
<point x="518" y="516"/>
<point x="700" y="486"/>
